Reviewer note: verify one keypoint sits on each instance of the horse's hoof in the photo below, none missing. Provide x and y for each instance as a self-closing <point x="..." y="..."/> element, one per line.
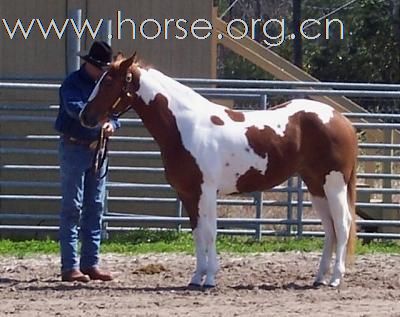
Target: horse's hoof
<point x="318" y="284"/>
<point x="334" y="283"/>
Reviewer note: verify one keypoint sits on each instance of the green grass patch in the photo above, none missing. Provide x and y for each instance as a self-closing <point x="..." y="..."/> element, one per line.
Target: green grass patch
<point x="145" y="241"/>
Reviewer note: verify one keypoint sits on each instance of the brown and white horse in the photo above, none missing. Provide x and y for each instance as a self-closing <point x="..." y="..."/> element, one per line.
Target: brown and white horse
<point x="209" y="149"/>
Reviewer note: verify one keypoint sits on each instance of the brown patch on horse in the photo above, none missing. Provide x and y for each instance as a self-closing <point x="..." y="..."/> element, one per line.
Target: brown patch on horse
<point x="253" y="178"/>
<point x="181" y="169"/>
<point x="333" y="147"/>
<point x="235" y="115"/>
<point x="279" y="152"/>
<point x="309" y="147"/>
<point x="217" y="120"/>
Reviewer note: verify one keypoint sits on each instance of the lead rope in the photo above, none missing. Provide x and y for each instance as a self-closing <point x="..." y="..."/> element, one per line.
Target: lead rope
<point x="101" y="155"/>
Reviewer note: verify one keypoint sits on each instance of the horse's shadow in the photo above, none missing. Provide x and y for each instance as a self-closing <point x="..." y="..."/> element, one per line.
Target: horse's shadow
<point x="274" y="287"/>
<point x="6" y="280"/>
<point x="56" y="285"/>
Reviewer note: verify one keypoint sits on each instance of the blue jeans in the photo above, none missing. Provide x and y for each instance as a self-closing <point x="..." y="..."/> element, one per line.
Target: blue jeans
<point x="82" y="204"/>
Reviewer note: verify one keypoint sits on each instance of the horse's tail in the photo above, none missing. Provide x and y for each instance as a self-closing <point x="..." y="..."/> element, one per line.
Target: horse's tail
<point x="351" y="198"/>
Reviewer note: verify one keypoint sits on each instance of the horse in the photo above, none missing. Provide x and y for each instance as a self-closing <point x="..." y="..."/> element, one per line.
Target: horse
<point x="208" y="149"/>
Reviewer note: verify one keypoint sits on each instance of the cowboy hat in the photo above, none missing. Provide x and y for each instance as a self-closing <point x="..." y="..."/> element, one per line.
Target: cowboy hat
<point x="100" y="54"/>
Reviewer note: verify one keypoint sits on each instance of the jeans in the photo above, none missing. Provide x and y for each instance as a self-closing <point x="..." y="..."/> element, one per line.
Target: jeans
<point x="82" y="204"/>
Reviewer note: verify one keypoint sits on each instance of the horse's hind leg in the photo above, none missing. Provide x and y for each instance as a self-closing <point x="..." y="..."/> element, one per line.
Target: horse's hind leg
<point x="321" y="205"/>
<point x="336" y="192"/>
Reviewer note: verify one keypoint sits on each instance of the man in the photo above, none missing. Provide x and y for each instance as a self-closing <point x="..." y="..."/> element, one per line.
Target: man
<point x="83" y="189"/>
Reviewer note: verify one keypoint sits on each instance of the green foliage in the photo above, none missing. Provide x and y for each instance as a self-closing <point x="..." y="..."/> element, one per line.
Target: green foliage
<point x="369" y="52"/>
<point x="21" y="248"/>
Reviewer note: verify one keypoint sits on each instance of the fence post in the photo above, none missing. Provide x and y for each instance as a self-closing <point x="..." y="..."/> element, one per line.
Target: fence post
<point x="73" y="42"/>
<point x="388" y="138"/>
<point x="289" y="205"/>
<point x="104" y="225"/>
<point x="258" y="197"/>
<point x="106" y="32"/>
<point x="179" y="209"/>
<point x="299" y="207"/>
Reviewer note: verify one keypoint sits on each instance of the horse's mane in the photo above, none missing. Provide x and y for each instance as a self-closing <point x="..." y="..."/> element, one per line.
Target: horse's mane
<point x="163" y="80"/>
<point x="166" y="82"/>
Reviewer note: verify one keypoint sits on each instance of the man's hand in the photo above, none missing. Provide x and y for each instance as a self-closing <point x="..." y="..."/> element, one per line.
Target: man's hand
<point x="108" y="129"/>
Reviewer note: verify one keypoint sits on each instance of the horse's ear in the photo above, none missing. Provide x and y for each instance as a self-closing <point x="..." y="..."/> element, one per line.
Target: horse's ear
<point x="126" y="63"/>
<point x="135" y="57"/>
<point x="119" y="57"/>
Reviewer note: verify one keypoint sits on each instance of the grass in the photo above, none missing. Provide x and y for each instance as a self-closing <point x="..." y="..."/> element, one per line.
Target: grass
<point x="144" y="241"/>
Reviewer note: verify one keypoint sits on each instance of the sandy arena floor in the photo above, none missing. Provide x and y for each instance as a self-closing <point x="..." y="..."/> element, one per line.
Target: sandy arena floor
<point x="270" y="284"/>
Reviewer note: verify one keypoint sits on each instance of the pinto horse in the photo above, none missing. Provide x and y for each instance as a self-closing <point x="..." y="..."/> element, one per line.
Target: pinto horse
<point x="208" y="149"/>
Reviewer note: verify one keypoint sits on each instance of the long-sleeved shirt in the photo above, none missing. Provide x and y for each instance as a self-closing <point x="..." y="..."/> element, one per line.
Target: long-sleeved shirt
<point x="74" y="93"/>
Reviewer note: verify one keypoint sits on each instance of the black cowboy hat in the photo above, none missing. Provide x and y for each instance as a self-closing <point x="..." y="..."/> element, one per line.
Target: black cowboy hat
<point x="100" y="54"/>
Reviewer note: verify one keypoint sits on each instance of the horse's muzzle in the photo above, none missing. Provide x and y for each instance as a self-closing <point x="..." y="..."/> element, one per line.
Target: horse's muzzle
<point x="87" y="121"/>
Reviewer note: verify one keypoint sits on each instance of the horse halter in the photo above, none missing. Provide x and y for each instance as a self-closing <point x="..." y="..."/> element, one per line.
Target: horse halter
<point x="125" y="91"/>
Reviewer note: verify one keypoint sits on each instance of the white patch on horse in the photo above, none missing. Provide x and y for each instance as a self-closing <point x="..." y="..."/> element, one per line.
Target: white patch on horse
<point x="149" y="87"/>
<point x="96" y="88"/>
<point x="278" y="119"/>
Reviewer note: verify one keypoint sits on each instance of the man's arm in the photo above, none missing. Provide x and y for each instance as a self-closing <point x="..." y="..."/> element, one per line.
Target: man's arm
<point x="72" y="100"/>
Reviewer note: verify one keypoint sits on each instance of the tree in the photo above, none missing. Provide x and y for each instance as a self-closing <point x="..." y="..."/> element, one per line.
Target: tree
<point x="369" y="51"/>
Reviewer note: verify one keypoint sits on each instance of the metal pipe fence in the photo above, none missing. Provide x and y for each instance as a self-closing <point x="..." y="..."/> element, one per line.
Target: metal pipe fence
<point x="296" y="193"/>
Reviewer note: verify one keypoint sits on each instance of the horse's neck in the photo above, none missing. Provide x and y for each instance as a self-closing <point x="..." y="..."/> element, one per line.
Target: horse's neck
<point x="163" y="100"/>
<point x="180" y="97"/>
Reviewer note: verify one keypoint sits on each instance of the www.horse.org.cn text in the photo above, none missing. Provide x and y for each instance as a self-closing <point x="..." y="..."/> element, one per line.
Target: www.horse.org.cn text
<point x="273" y="32"/>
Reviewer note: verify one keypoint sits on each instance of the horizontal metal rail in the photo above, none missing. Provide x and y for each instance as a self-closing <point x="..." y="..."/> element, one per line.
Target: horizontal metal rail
<point x="231" y="202"/>
<point x="57" y="168"/>
<point x="301" y="92"/>
<point x="161" y="170"/>
<point x="156" y="154"/>
<point x="287" y="84"/>
<point x="274" y="233"/>
<point x="57" y="137"/>
<point x="139" y="123"/>
<point x="185" y="220"/>
<point x="235" y="83"/>
<point x="151" y="140"/>
<point x="121" y="185"/>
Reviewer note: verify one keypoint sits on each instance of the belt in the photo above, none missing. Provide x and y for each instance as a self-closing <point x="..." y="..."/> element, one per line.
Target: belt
<point x="71" y="140"/>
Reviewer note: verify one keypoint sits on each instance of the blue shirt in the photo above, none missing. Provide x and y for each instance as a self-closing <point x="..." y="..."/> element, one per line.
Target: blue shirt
<point x="74" y="93"/>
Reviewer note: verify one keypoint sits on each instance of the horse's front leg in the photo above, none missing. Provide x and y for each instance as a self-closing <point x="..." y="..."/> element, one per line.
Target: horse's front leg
<point x="204" y="234"/>
<point x="208" y="230"/>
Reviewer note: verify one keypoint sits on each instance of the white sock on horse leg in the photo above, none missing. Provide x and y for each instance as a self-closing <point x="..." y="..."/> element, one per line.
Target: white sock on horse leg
<point x="201" y="257"/>
<point x="336" y="192"/>
<point x="322" y="207"/>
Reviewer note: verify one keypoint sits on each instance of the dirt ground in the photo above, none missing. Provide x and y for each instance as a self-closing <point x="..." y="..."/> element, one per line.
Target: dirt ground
<point x="269" y="284"/>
